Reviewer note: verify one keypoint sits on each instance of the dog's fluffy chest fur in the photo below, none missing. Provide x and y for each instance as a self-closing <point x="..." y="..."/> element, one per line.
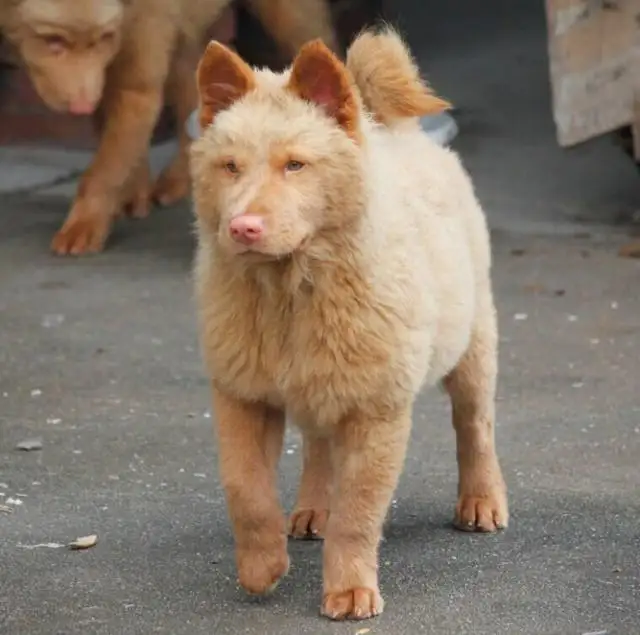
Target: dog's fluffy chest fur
<point x="320" y="350"/>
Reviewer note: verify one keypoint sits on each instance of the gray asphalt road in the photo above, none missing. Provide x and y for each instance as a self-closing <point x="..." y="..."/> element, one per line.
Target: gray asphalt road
<point x="99" y="359"/>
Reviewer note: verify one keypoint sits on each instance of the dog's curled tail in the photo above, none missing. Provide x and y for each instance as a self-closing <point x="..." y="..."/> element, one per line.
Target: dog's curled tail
<point x="388" y="78"/>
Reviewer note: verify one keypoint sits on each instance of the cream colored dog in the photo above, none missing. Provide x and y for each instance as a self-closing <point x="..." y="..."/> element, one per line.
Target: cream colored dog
<point x="343" y="264"/>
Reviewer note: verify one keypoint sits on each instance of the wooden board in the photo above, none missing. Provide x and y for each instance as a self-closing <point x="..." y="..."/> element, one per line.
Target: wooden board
<point x="594" y="57"/>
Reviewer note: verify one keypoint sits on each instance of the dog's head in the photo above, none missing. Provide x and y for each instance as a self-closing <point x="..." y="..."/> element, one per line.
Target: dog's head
<point x="280" y="157"/>
<point x="66" y="46"/>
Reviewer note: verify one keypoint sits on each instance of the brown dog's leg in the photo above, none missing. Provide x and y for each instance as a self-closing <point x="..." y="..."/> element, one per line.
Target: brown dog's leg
<point x="131" y="103"/>
<point x="135" y="200"/>
<point x="174" y="182"/>
<point x="250" y="440"/>
<point x="482" y="498"/>
<point x="292" y="24"/>
<point x="130" y="120"/>
<point x="311" y="513"/>
<point x="368" y="458"/>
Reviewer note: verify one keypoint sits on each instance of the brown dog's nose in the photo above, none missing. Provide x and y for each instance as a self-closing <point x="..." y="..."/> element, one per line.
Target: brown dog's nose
<point x="246" y="229"/>
<point x="82" y="106"/>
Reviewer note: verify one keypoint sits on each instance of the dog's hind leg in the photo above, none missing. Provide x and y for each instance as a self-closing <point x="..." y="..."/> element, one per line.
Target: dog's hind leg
<point x="311" y="513"/>
<point x="482" y="498"/>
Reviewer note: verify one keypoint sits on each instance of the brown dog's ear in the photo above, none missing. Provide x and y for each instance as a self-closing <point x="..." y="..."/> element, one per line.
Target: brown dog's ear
<point x="318" y="76"/>
<point x="222" y="78"/>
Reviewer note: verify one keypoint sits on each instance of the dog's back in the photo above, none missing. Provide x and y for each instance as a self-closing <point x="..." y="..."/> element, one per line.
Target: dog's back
<point x="430" y="227"/>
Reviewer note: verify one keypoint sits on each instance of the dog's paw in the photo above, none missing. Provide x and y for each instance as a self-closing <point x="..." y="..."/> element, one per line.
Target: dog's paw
<point x="172" y="185"/>
<point x="308" y="524"/>
<point x="137" y="198"/>
<point x="82" y="233"/>
<point x="353" y="604"/>
<point x="260" y="571"/>
<point x="483" y="513"/>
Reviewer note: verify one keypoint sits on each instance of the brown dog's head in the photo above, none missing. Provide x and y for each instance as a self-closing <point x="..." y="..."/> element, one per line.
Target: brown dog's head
<point x="66" y="46"/>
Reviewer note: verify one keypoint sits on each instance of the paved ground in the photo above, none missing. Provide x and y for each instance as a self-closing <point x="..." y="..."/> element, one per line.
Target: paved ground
<point x="98" y="358"/>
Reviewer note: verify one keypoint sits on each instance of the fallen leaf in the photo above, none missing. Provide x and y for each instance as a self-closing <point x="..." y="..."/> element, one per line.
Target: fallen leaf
<point x="28" y="445"/>
<point x="84" y="542"/>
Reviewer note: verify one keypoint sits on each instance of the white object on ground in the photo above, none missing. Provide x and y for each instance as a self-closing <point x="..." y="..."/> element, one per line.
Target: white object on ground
<point x="84" y="542"/>
<point x="441" y="128"/>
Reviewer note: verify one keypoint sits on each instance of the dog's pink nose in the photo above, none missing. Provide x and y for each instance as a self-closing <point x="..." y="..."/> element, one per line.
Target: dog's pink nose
<point x="246" y="229"/>
<point x="81" y="106"/>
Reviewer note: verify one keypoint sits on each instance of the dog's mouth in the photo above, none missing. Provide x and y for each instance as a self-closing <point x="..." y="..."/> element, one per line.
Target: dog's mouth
<point x="262" y="253"/>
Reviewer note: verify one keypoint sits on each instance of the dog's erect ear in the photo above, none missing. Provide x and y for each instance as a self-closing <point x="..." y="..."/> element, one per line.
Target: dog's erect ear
<point x="318" y="76"/>
<point x="222" y="78"/>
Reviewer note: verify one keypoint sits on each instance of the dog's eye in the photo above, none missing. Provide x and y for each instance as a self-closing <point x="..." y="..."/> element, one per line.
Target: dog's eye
<point x="56" y="43"/>
<point x="293" y="166"/>
<point x="231" y="167"/>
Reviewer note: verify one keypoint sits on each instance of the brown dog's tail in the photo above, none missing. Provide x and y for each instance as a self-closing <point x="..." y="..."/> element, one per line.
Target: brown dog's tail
<point x="388" y="78"/>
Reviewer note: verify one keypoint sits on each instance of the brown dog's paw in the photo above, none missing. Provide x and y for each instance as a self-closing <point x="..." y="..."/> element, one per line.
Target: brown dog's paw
<point x="82" y="234"/>
<point x="137" y="200"/>
<point x="172" y="185"/>
<point x="308" y="524"/>
<point x="482" y="513"/>
<point x="354" y="604"/>
<point x="260" y="572"/>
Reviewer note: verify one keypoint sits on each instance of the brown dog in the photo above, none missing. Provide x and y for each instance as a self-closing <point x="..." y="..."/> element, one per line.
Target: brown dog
<point x="113" y="58"/>
<point x="342" y="264"/>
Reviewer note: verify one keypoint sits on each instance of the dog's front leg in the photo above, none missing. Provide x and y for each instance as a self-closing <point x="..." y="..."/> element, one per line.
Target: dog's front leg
<point x="249" y="442"/>
<point x="309" y="518"/>
<point x="130" y="116"/>
<point x="368" y="458"/>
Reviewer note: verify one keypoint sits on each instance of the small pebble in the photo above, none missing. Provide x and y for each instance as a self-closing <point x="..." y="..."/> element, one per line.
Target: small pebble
<point x="29" y="445"/>
<point x="520" y="316"/>
<point x="53" y="320"/>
